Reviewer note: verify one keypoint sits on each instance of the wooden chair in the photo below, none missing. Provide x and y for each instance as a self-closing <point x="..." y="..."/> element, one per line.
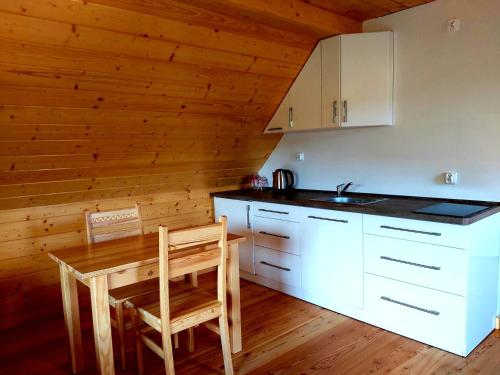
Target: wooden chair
<point x="176" y="309"/>
<point x="110" y="225"/>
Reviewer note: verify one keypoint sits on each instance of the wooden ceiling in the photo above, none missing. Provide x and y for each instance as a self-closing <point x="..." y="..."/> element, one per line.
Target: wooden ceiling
<point x="362" y="10"/>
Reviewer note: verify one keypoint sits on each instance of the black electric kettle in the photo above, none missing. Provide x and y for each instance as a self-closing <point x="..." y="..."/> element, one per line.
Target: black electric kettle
<point x="282" y="179"/>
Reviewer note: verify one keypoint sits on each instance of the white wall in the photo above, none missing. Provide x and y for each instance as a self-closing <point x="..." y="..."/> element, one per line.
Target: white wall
<point x="447" y="113"/>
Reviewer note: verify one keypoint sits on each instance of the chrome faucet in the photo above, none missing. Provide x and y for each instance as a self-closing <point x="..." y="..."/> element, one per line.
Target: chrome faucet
<point x="342" y="188"/>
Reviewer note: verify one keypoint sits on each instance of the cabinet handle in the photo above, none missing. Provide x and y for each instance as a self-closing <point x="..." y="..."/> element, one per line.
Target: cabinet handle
<point x="275" y="266"/>
<point x="275" y="235"/>
<point x="435" y="268"/>
<point x="273" y="129"/>
<point x="328" y="219"/>
<point x="334" y="120"/>
<point x="411" y="230"/>
<point x="432" y="312"/>
<point x="248" y="217"/>
<point x="344" y="103"/>
<point x="290" y="117"/>
<point x="274" y="212"/>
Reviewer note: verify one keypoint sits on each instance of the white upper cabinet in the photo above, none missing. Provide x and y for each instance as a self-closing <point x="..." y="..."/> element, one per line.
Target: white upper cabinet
<point x="301" y="107"/>
<point x="305" y="95"/>
<point x="330" y="82"/>
<point x="366" y="79"/>
<point x="279" y="121"/>
<point x="347" y="82"/>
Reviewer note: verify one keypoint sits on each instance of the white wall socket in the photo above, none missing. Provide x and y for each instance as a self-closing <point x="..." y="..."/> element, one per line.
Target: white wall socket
<point x="451" y="178"/>
<point x="453" y="25"/>
<point x="300" y="156"/>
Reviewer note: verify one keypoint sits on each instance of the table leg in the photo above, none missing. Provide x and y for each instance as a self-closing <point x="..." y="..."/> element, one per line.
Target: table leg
<point x="102" y="325"/>
<point x="72" y="318"/>
<point x="234" y="306"/>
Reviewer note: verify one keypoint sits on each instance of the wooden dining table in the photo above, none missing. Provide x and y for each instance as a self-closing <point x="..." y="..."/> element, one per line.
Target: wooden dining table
<point x="113" y="264"/>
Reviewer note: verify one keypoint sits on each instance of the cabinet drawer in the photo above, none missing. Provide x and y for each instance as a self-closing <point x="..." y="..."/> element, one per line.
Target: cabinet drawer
<point x="432" y="266"/>
<point x="426" y="315"/>
<point x="276" y="211"/>
<point x="278" y="266"/>
<point x="277" y="234"/>
<point x="417" y="230"/>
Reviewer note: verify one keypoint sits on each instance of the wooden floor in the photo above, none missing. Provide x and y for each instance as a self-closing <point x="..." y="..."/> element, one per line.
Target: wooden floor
<point x="281" y="335"/>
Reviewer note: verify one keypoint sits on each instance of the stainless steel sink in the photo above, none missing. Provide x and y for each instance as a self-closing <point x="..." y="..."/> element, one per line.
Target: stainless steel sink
<point x="350" y="200"/>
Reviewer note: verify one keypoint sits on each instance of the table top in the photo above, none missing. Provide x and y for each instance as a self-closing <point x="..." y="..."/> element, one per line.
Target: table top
<point x="113" y="256"/>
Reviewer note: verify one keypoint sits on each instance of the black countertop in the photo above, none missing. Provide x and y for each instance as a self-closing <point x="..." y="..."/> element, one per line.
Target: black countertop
<point x="393" y="205"/>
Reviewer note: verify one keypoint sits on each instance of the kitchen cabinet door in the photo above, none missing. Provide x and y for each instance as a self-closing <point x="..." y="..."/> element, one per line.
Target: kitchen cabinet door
<point x="332" y="258"/>
<point x="330" y="82"/>
<point x="305" y="96"/>
<point x="280" y="120"/>
<point x="239" y="216"/>
<point x="366" y="76"/>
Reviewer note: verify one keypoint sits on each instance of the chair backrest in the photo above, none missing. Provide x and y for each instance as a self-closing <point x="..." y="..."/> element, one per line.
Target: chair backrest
<point x="189" y="250"/>
<point x="110" y="225"/>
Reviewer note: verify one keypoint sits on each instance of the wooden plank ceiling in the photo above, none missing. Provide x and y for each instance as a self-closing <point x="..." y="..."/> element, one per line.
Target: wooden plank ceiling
<point x="105" y="103"/>
<point x="363" y="10"/>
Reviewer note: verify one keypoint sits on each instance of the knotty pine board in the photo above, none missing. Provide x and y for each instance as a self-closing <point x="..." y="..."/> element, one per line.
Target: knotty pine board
<point x="108" y="103"/>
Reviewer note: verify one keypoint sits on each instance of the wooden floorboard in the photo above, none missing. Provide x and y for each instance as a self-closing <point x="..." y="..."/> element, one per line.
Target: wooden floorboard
<point x="281" y="335"/>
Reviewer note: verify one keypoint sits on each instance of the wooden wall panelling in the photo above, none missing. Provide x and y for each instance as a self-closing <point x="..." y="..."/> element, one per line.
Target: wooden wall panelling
<point x="28" y="279"/>
<point x="108" y="103"/>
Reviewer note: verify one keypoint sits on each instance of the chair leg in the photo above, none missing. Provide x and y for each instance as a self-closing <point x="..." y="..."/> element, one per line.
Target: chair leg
<point x="168" y="353"/>
<point x="226" y="346"/>
<point x="176" y="340"/>
<point x="138" y="341"/>
<point x="192" y="278"/>
<point x="120" y="325"/>
<point x="190" y="345"/>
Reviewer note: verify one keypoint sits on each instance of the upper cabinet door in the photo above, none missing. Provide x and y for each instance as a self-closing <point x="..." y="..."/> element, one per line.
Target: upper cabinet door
<point x="330" y="82"/>
<point x="305" y="95"/>
<point x="280" y="120"/>
<point x="366" y="77"/>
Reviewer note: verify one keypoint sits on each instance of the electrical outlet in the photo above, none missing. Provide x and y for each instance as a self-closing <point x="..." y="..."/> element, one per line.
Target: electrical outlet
<point x="453" y="25"/>
<point x="300" y="156"/>
<point x="451" y="178"/>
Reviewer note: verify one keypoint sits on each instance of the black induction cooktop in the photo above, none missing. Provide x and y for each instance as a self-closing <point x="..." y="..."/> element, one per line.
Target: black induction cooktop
<point x="452" y="209"/>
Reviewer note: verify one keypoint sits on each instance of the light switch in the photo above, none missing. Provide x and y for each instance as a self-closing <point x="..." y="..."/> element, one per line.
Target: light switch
<point x="451" y="178"/>
<point x="300" y="156"/>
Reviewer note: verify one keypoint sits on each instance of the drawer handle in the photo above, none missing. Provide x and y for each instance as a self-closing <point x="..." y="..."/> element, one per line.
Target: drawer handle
<point x="432" y="312"/>
<point x="248" y="217"/>
<point x="327" y="219"/>
<point x="410" y="263"/>
<point x="410" y="230"/>
<point x="275" y="266"/>
<point x="275" y="235"/>
<point x="272" y="129"/>
<point x="273" y="211"/>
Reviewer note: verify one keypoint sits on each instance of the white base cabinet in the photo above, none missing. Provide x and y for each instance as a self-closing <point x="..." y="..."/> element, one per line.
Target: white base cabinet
<point x="239" y="221"/>
<point x="423" y="314"/>
<point x="332" y="257"/>
<point x="432" y="282"/>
